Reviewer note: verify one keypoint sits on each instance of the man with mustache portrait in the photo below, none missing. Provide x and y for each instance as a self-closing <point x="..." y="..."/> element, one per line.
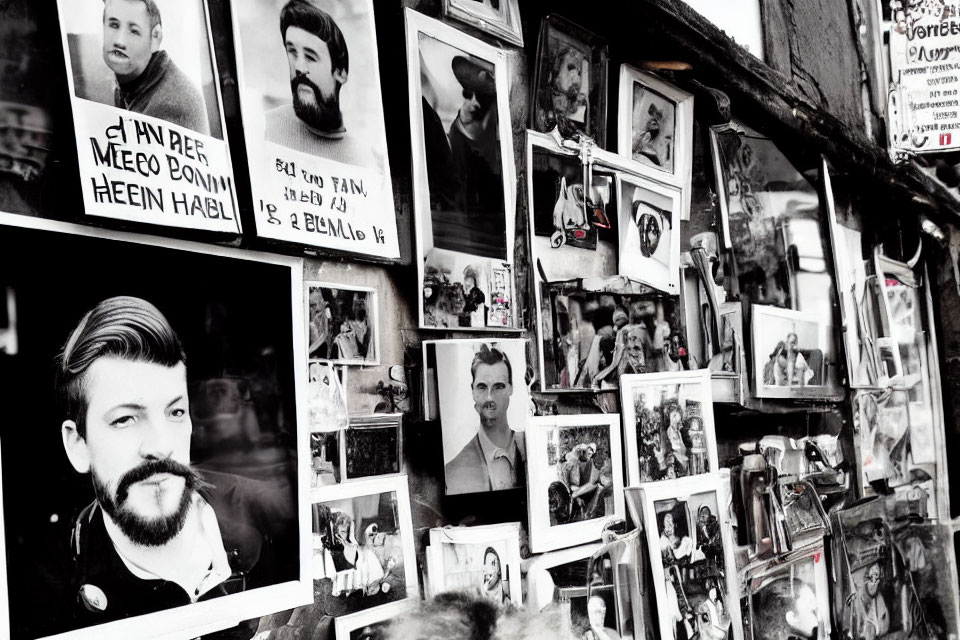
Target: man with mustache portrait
<point x="160" y="532"/>
<point x="147" y="79"/>
<point x="319" y="64"/>
<point x="493" y="459"/>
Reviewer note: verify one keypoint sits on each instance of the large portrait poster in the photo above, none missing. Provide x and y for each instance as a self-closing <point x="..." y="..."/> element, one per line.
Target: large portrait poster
<point x="313" y="124"/>
<point x="147" y="113"/>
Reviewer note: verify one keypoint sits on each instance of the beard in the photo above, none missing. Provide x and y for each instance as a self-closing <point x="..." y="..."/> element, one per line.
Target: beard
<point x="323" y="114"/>
<point x="150" y="532"/>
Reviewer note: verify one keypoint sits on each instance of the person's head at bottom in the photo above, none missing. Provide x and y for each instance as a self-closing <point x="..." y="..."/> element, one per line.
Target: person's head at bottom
<point x="785" y="609"/>
<point x="122" y="382"/>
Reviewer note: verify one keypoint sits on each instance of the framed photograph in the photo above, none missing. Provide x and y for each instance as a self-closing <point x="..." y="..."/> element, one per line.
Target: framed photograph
<point x="787" y="599"/>
<point x="483" y="401"/>
<point x="574" y="478"/>
<point x="363" y="552"/>
<point x="668" y="425"/>
<point x="343" y="324"/>
<point x="373" y="446"/>
<point x="230" y="463"/>
<point x="570" y="84"/>
<point x="146" y="104"/>
<point x="649" y="230"/>
<point x="792" y="352"/>
<point x="655" y="129"/>
<point x="370" y="624"/>
<point x="499" y="18"/>
<point x="588" y="339"/>
<point x="483" y="559"/>
<point x="315" y="137"/>
<point x="692" y="560"/>
<point x="463" y="176"/>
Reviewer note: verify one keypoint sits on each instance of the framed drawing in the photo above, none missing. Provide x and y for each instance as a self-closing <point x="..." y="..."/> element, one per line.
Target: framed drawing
<point x="363" y="553"/>
<point x="146" y="104"/>
<point x="649" y="230"/>
<point x="231" y="464"/>
<point x="662" y="412"/>
<point x="792" y="354"/>
<point x="482" y="559"/>
<point x="574" y="478"/>
<point x="789" y="598"/>
<point x="343" y="324"/>
<point x="370" y="623"/>
<point x="315" y="137"/>
<point x="691" y="558"/>
<point x="499" y="18"/>
<point x="570" y="83"/>
<point x="463" y="177"/>
<point x="655" y="130"/>
<point x="373" y="446"/>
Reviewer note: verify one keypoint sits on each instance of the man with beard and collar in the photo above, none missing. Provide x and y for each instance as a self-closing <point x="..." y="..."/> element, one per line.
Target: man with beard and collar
<point x="159" y="533"/>
<point x="319" y="64"/>
<point x="785" y="609"/>
<point x="148" y="81"/>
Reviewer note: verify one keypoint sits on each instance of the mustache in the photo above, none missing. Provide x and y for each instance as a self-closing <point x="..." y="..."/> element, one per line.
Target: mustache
<point x="151" y="468"/>
<point x="301" y="79"/>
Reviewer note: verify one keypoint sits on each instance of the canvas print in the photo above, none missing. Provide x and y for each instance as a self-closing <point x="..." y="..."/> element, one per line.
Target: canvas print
<point x="172" y="442"/>
<point x="342" y="323"/>
<point x="315" y="137"/>
<point x="668" y="422"/>
<point x="484" y="560"/>
<point x="483" y="408"/>
<point x="575" y="478"/>
<point x="499" y="18"/>
<point x="649" y="231"/>
<point x="787" y="600"/>
<point x="791" y="353"/>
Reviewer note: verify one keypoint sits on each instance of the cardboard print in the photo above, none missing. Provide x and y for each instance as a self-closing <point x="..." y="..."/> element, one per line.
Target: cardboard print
<point x="649" y="232"/>
<point x="668" y="419"/>
<point x="343" y="324"/>
<point x="231" y="468"/>
<point x="316" y="142"/>
<point x="146" y="102"/>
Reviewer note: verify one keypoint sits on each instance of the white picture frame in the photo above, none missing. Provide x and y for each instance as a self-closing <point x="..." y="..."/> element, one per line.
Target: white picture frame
<point x="347" y="625"/>
<point x="648" y="257"/>
<point x="352" y="345"/>
<point x="667" y="104"/>
<point x="696" y="388"/>
<point x="502" y="23"/>
<point x="505" y="536"/>
<point x="544" y="432"/>
<point x="770" y="330"/>
<point x="450" y="258"/>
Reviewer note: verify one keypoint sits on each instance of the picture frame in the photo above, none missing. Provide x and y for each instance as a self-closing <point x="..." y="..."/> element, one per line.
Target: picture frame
<point x="462" y="558"/>
<point x="343" y="325"/>
<point x="354" y="625"/>
<point x="223" y="412"/>
<point x="566" y="54"/>
<point x="375" y="511"/>
<point x="499" y="18"/>
<point x="655" y="130"/>
<point x="158" y="154"/>
<point x="684" y="500"/>
<point x="372" y="446"/>
<point x="320" y="177"/>
<point x="561" y="512"/>
<point x="650" y="438"/>
<point x="464" y="194"/>
<point x="647" y="256"/>
<point x="772" y="328"/>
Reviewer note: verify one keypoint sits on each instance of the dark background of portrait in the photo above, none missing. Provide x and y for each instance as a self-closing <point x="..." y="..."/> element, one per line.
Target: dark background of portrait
<point x="234" y="319"/>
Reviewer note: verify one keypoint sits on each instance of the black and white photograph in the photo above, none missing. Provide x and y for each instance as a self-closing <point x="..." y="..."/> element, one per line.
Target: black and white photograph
<point x="146" y="104"/>
<point x="466" y="292"/>
<point x="175" y="396"/>
<point x="374" y="446"/>
<point x="691" y="556"/>
<point x="569" y="92"/>
<point x="315" y="136"/>
<point x="550" y="574"/>
<point x="649" y="231"/>
<point x="499" y="18"/>
<point x="575" y="478"/>
<point x="593" y="611"/>
<point x="668" y="422"/>
<point x="325" y="467"/>
<point x="363" y="553"/>
<point x="483" y="400"/>
<point x="484" y="560"/>
<point x="656" y="129"/>
<point x="370" y="624"/>
<point x="790" y="353"/>
<point x="787" y="600"/>
<point x="343" y="324"/>
<point x="463" y="168"/>
<point x="588" y="340"/>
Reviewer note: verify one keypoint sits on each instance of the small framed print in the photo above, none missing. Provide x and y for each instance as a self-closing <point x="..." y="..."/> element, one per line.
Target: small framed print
<point x="463" y="177"/>
<point x="574" y="478"/>
<point x="662" y="412"/>
<point x="499" y="18"/>
<point x="370" y="624"/>
<point x="373" y="446"/>
<point x="656" y="130"/>
<point x="570" y="84"/>
<point x="787" y="599"/>
<point x="343" y="324"/>
<point x="692" y="559"/>
<point x="792" y="353"/>
<point x="484" y="560"/>
<point x="649" y="230"/>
